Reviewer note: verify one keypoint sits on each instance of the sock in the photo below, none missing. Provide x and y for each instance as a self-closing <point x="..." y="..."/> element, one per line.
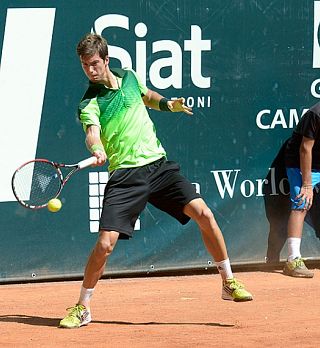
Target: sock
<point x="85" y="296"/>
<point x="224" y="269"/>
<point x="293" y="248"/>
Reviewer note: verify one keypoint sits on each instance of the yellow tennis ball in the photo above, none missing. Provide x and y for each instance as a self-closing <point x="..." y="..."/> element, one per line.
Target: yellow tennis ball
<point x="54" y="205"/>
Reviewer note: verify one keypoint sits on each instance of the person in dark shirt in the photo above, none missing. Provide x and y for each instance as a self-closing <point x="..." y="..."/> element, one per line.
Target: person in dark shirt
<point x="302" y="161"/>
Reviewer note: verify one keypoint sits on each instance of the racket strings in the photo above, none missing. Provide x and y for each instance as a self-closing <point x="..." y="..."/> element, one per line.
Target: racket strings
<point x="36" y="183"/>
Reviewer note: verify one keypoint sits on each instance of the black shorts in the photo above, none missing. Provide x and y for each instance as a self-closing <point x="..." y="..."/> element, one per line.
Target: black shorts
<point x="128" y="191"/>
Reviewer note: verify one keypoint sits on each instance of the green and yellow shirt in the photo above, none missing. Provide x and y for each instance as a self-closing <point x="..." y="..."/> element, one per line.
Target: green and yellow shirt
<point x="126" y="130"/>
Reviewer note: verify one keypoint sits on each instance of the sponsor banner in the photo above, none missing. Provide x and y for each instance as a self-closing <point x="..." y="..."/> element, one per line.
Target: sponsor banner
<point x="249" y="72"/>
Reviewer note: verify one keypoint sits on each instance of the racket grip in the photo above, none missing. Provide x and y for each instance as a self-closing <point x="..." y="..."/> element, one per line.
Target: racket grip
<point x="87" y="162"/>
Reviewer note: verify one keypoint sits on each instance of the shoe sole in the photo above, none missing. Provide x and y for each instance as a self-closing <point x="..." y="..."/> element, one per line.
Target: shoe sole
<point x="247" y="299"/>
<point x="74" y="327"/>
<point x="244" y="299"/>
<point x="297" y="275"/>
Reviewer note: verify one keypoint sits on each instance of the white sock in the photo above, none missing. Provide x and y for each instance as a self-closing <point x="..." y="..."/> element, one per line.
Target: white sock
<point x="85" y="296"/>
<point x="224" y="269"/>
<point x="293" y="248"/>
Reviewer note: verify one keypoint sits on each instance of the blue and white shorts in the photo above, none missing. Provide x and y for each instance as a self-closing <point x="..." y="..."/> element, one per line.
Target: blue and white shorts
<point x="295" y="181"/>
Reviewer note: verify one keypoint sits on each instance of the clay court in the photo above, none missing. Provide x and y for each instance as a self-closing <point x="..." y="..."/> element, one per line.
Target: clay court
<point x="184" y="311"/>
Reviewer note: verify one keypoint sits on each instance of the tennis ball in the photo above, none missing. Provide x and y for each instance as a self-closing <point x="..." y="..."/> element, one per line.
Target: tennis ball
<point x="54" y="205"/>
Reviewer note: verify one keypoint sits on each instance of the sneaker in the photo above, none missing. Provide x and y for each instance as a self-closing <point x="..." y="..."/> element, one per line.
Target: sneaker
<point x="77" y="316"/>
<point x="297" y="268"/>
<point x="233" y="290"/>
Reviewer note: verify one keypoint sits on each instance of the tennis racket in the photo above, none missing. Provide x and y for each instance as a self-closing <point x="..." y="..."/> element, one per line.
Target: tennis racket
<point x="38" y="181"/>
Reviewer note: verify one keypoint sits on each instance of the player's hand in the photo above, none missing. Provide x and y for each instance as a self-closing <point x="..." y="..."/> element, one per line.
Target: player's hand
<point x="306" y="196"/>
<point x="101" y="157"/>
<point x="177" y="105"/>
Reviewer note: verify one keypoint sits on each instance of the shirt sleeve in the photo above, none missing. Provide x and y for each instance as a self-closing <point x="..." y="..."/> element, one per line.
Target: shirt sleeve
<point x="89" y="114"/>
<point x="310" y="125"/>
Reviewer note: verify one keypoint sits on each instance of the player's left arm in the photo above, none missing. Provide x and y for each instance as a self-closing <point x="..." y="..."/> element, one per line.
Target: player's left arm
<point x="156" y="101"/>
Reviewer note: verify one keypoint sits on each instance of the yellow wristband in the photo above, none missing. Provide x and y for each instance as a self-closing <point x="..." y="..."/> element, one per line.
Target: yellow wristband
<point x="96" y="147"/>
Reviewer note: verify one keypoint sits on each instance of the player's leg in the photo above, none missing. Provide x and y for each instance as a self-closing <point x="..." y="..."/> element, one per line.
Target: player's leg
<point x="294" y="265"/>
<point x="96" y="264"/>
<point x="295" y="227"/>
<point x="125" y="197"/>
<point x="211" y="233"/>
<point x="215" y="244"/>
<point x="80" y="314"/>
<point x="174" y="194"/>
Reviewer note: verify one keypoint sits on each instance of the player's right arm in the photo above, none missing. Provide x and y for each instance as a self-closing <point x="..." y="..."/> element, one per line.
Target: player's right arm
<point x="306" y="193"/>
<point x="94" y="144"/>
<point x="89" y="113"/>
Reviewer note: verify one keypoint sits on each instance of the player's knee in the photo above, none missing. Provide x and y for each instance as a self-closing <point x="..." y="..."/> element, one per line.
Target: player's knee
<point x="104" y="248"/>
<point x="204" y="216"/>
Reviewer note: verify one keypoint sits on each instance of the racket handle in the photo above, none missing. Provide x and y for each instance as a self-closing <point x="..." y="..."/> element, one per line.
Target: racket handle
<point x="87" y="162"/>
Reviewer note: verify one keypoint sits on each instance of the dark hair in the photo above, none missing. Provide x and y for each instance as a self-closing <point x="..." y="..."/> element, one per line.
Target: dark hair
<point x="91" y="44"/>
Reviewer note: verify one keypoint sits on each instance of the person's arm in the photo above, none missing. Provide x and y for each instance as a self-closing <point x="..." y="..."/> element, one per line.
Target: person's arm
<point x="306" y="192"/>
<point x="94" y="144"/>
<point x="156" y="101"/>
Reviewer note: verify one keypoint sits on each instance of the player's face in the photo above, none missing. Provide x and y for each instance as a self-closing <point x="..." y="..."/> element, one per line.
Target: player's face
<point x="94" y="67"/>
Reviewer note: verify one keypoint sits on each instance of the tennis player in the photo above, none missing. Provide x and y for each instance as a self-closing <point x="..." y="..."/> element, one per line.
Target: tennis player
<point x="118" y="128"/>
<point x="302" y="160"/>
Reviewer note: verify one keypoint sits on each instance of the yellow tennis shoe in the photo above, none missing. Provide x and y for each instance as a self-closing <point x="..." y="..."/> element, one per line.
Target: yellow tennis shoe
<point x="233" y="290"/>
<point x="76" y="317"/>
<point x="297" y="268"/>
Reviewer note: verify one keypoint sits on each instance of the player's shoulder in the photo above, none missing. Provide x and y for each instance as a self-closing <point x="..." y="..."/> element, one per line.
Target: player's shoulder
<point x="89" y="96"/>
<point x="130" y="75"/>
<point x="125" y="70"/>
<point x="92" y="91"/>
<point x="315" y="109"/>
<point x="121" y="72"/>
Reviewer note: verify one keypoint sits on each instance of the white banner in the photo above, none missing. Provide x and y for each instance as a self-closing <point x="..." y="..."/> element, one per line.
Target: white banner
<point x="23" y="74"/>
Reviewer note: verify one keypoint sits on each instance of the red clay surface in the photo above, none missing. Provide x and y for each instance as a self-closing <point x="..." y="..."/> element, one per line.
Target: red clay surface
<point x="166" y="312"/>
